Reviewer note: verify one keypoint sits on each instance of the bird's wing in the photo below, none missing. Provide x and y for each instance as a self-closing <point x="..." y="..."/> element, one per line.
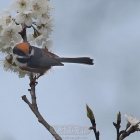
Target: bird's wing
<point x="43" y="59"/>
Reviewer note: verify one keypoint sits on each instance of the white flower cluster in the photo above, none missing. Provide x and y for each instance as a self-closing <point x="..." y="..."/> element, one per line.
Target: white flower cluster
<point x="32" y="14"/>
<point x="132" y="120"/>
<point x="9" y="32"/>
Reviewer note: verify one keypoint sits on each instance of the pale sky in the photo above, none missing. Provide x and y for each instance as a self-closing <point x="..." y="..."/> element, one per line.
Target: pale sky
<point x="109" y="32"/>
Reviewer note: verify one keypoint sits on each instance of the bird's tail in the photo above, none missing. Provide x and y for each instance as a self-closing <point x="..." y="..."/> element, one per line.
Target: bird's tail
<point x="80" y="60"/>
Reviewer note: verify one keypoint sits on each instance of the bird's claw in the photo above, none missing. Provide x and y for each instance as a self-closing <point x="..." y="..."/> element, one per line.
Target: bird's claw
<point x="33" y="82"/>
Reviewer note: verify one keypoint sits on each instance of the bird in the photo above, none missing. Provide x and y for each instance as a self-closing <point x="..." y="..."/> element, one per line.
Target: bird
<point x="40" y="60"/>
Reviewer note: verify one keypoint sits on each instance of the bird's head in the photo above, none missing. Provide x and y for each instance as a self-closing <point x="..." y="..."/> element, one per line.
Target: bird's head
<point x="23" y="50"/>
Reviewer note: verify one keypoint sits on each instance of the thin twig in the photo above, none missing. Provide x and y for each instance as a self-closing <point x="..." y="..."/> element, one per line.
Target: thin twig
<point x="127" y="133"/>
<point x="90" y="115"/>
<point x="117" y="125"/>
<point x="32" y="91"/>
<point x="23" y="33"/>
<point x="35" y="110"/>
<point x="94" y="129"/>
<point x="33" y="105"/>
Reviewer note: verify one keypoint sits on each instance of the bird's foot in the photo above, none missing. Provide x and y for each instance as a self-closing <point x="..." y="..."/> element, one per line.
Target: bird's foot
<point x="34" y="82"/>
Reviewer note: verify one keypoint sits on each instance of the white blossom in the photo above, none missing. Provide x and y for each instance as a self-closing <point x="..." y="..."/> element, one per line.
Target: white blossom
<point x="36" y="40"/>
<point x="6" y="18"/>
<point x="7" y="66"/>
<point x="46" y="29"/>
<point x="31" y="38"/>
<point x="44" y="18"/>
<point x="131" y="119"/>
<point x="21" y="6"/>
<point x="39" y="7"/>
<point x="1" y="45"/>
<point x="25" y="17"/>
<point x="6" y="13"/>
<point x="8" y="47"/>
<point x="39" y="40"/>
<point x="48" y="44"/>
<point x="8" y="32"/>
<point x="11" y="33"/>
<point x="2" y="25"/>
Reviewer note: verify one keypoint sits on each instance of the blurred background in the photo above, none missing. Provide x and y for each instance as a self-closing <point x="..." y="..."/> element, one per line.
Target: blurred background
<point x="107" y="31"/>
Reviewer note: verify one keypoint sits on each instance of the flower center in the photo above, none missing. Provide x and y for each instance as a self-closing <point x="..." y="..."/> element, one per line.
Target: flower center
<point x="1" y="27"/>
<point x="10" y="33"/>
<point x="36" y="7"/>
<point x="8" y="20"/>
<point x="22" y="4"/>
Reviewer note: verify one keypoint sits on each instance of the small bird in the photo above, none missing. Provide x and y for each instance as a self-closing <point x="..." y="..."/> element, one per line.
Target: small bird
<point x="37" y="60"/>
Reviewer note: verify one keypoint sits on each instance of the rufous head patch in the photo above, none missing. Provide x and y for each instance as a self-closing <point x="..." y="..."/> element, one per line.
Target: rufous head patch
<point x="23" y="46"/>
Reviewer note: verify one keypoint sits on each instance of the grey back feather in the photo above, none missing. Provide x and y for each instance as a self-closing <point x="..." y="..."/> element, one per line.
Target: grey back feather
<point x="43" y="59"/>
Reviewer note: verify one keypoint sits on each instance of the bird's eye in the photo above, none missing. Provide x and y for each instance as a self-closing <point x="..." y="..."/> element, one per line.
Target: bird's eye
<point x="18" y="52"/>
<point x="21" y="53"/>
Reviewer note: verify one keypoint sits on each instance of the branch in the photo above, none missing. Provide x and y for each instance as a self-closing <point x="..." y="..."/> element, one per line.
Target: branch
<point x="117" y="125"/>
<point x="94" y="129"/>
<point x="41" y="119"/>
<point x="23" y="33"/>
<point x="93" y="122"/>
<point x="124" y="133"/>
<point x="127" y="133"/>
<point x="33" y="105"/>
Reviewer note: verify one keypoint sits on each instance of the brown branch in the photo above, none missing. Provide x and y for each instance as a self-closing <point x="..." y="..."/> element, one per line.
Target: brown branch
<point x="117" y="125"/>
<point x="23" y="33"/>
<point x="94" y="129"/>
<point x="127" y="133"/>
<point x="32" y="90"/>
<point x="124" y="133"/>
<point x="41" y="119"/>
<point x="33" y="105"/>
